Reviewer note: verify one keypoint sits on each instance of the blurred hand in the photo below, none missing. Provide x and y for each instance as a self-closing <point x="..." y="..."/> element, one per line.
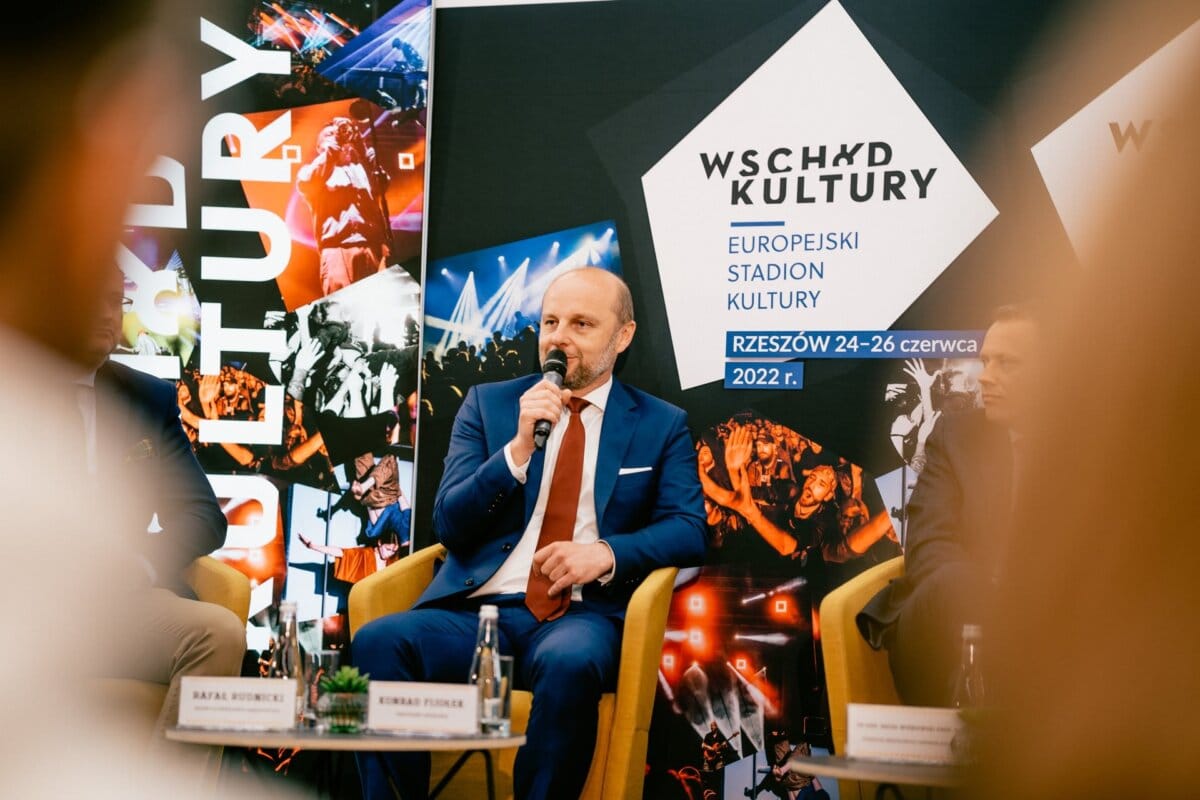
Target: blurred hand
<point x="308" y="355"/>
<point x="915" y="369"/>
<point x="388" y="376"/>
<point x="209" y="389"/>
<point x="738" y="449"/>
<point x="927" y="425"/>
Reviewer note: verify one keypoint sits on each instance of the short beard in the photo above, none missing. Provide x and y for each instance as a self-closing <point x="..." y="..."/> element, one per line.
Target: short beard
<point x="584" y="374"/>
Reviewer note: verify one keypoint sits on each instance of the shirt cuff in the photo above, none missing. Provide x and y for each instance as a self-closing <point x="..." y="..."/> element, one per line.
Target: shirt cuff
<point x="605" y="580"/>
<point x="517" y="472"/>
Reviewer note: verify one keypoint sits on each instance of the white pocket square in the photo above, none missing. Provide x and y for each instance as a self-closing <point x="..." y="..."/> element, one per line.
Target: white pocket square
<point x="632" y="470"/>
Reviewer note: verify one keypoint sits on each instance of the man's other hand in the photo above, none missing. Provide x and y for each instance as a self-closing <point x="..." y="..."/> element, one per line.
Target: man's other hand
<point x="569" y="563"/>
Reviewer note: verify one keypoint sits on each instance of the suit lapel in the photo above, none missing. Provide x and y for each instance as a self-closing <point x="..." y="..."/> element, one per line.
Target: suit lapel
<point x="108" y="437"/>
<point x="620" y="419"/>
<point x="997" y="483"/>
<point x="533" y="476"/>
<point x="533" y="481"/>
<point x="121" y="433"/>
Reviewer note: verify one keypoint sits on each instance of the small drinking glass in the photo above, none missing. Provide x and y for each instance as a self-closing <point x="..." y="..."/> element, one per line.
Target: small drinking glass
<point x="497" y="706"/>
<point x="317" y="665"/>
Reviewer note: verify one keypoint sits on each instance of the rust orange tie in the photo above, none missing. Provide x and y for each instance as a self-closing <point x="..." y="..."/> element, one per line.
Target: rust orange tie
<point x="558" y="523"/>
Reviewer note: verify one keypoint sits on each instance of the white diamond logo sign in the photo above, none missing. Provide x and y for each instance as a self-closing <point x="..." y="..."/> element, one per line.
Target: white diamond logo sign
<point x="817" y="196"/>
<point x="1085" y="161"/>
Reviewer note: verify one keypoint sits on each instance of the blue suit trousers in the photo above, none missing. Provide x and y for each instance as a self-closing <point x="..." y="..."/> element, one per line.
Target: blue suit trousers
<point x="567" y="663"/>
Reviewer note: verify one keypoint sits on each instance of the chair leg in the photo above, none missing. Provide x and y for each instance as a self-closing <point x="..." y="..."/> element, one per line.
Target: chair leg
<point x="458" y="764"/>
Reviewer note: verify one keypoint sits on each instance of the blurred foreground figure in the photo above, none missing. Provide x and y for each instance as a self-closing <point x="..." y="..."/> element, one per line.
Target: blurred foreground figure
<point x="1096" y="659"/>
<point x="89" y="95"/>
<point x="132" y="437"/>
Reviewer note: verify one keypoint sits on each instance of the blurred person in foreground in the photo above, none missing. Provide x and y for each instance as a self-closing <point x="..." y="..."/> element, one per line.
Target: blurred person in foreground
<point x="1096" y="662"/>
<point x="93" y="95"/>
<point x="133" y="438"/>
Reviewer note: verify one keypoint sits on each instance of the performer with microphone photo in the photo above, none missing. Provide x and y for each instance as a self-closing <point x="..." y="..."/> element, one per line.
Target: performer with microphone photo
<point x="560" y="493"/>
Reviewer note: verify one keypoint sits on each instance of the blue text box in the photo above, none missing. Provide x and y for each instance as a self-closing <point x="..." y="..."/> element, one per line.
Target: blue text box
<point x="853" y="344"/>
<point x="764" y="375"/>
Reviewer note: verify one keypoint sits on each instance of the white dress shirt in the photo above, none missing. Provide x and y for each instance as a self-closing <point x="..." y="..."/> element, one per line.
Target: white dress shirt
<point x="85" y="396"/>
<point x="513" y="575"/>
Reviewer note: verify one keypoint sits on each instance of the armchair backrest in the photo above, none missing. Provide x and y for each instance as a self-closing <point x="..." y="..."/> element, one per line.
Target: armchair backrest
<point x="854" y="673"/>
<point x="394" y="588"/>
<point x="641" y="653"/>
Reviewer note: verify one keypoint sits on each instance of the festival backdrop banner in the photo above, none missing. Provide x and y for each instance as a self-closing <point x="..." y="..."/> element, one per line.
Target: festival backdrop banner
<point x="810" y="199"/>
<point x="277" y="281"/>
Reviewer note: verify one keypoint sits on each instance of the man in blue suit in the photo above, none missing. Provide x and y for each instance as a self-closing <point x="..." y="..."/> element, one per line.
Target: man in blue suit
<point x="558" y="539"/>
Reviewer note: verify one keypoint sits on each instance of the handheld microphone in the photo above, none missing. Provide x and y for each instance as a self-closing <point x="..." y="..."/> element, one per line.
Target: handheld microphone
<point x="554" y="369"/>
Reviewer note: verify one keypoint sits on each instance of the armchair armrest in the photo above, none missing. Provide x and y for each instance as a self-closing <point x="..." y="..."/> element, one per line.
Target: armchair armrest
<point x="394" y="588"/>
<point x="641" y="651"/>
<point x="216" y="582"/>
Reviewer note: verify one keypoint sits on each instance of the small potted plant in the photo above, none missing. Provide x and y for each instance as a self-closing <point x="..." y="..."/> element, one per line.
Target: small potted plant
<point x="342" y="707"/>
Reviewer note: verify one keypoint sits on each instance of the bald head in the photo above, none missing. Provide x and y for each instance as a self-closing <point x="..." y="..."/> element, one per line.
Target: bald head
<point x="602" y="279"/>
<point x="588" y="314"/>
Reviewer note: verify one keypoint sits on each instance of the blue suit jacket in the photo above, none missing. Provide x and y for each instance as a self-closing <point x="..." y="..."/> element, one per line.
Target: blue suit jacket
<point x="650" y="517"/>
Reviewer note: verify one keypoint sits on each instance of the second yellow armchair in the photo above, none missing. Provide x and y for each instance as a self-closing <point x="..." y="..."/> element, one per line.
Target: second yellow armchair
<point x="618" y="763"/>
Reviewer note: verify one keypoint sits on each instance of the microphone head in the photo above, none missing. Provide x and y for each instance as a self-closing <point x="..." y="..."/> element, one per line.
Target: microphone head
<point x="555" y="361"/>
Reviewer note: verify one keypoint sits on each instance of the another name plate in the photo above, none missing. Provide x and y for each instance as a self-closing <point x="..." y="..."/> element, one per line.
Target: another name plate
<point x="404" y="707"/>
<point x="260" y="704"/>
<point x="901" y="733"/>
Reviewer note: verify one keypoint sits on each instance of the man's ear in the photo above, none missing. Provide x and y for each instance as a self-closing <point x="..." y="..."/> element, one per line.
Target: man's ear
<point x="625" y="336"/>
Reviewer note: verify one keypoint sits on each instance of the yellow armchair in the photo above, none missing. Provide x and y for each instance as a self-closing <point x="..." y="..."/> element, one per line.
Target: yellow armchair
<point x="618" y="763"/>
<point x="854" y="673"/>
<point x="216" y="582"/>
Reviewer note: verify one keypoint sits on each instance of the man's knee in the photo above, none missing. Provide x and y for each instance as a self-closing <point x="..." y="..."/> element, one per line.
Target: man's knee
<point x="214" y="640"/>
<point x="229" y="636"/>
<point x="925" y="643"/>
<point x="372" y="642"/>
<point x="581" y="668"/>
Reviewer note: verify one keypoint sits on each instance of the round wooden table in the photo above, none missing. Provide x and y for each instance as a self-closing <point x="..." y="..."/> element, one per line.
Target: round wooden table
<point x="305" y="739"/>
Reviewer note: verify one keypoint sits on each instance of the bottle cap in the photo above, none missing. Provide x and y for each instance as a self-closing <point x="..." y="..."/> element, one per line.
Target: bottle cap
<point x="489" y="612"/>
<point x="973" y="633"/>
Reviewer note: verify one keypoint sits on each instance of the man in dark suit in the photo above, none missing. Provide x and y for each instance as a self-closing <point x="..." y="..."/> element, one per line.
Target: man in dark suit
<point x="558" y="539"/>
<point x="132" y="437"/>
<point x="958" y="522"/>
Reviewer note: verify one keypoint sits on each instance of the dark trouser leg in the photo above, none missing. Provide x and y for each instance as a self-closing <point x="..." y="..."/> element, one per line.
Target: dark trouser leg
<point x="926" y="646"/>
<point x="568" y="663"/>
<point x="422" y="645"/>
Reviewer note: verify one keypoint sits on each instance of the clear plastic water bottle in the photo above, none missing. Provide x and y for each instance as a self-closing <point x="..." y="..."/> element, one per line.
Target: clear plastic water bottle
<point x="287" y="660"/>
<point x="969" y="689"/>
<point x="485" y="670"/>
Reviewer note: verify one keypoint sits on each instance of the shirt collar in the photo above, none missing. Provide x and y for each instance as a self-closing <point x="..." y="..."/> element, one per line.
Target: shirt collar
<point x="599" y="396"/>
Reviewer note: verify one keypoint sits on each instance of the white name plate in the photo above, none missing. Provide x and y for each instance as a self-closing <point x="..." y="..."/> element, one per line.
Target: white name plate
<point x="901" y="733"/>
<point x="404" y="707"/>
<point x="261" y="704"/>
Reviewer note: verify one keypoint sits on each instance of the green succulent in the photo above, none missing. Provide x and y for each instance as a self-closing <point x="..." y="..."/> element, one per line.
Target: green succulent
<point x="346" y="680"/>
